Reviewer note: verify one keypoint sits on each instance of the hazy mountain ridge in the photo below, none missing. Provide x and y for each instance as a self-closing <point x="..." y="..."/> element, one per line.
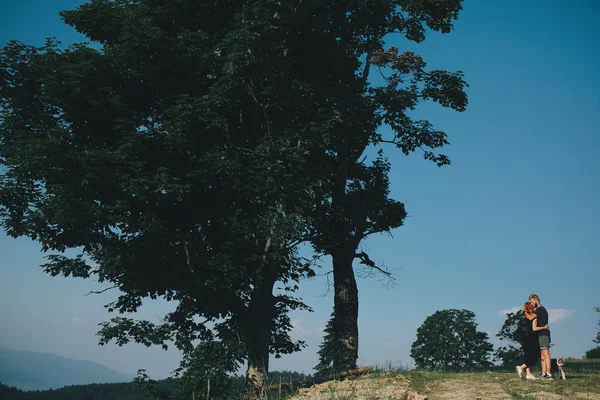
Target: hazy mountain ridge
<point x="37" y="371"/>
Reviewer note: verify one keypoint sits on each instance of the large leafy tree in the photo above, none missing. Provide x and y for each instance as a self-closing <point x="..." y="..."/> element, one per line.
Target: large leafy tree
<point x="177" y="160"/>
<point x="512" y="334"/>
<point x="182" y="156"/>
<point x="375" y="86"/>
<point x="449" y="340"/>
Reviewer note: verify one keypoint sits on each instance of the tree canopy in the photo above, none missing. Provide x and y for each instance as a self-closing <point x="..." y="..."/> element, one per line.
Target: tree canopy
<point x="189" y="155"/>
<point x="593" y="353"/>
<point x="449" y="340"/>
<point x="176" y="159"/>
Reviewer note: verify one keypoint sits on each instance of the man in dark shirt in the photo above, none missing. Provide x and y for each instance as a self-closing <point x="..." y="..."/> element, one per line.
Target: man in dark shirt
<point x="543" y="336"/>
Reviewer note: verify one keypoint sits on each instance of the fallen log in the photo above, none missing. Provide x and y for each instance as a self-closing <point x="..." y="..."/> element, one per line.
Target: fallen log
<point x="354" y="372"/>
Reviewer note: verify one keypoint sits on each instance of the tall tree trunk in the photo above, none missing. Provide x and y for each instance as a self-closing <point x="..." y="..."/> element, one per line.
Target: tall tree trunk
<point x="260" y="317"/>
<point x="345" y="301"/>
<point x="345" y="308"/>
<point x="258" y="328"/>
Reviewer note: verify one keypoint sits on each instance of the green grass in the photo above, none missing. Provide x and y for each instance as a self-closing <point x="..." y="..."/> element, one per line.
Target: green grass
<point x="582" y="365"/>
<point x="578" y="382"/>
<point x="424" y="381"/>
<point x="583" y="379"/>
<point x="576" y="365"/>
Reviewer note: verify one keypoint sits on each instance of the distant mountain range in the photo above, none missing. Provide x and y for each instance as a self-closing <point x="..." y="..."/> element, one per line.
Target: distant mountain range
<point x="27" y="370"/>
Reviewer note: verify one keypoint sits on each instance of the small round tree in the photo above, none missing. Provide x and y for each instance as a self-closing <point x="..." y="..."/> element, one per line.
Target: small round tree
<point x="449" y="340"/>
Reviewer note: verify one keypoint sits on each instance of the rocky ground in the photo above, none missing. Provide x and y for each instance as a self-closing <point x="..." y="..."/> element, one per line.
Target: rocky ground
<point x="388" y="387"/>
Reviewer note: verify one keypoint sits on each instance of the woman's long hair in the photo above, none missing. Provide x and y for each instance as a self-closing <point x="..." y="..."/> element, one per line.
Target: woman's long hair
<point x="528" y="307"/>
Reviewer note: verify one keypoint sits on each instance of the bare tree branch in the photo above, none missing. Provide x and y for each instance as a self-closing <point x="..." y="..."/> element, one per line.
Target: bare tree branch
<point x="327" y="275"/>
<point x="372" y="269"/>
<point x="100" y="291"/>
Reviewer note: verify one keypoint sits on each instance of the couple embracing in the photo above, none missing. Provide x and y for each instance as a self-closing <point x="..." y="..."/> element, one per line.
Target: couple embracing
<point x="536" y="338"/>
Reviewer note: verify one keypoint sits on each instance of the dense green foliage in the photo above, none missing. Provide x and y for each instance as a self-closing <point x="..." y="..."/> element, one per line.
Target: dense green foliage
<point x="593" y="353"/>
<point x="510" y="333"/>
<point x="449" y="340"/>
<point x="189" y="155"/>
<point x="326" y="352"/>
<point x="178" y="158"/>
<point x="141" y="389"/>
<point x="105" y="391"/>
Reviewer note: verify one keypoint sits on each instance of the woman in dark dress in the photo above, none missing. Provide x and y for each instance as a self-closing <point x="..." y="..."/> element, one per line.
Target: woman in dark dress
<point x="531" y="346"/>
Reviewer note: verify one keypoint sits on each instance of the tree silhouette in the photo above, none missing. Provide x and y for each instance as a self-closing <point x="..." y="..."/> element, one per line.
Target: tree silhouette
<point x="512" y="333"/>
<point x="449" y="340"/>
<point x="176" y="159"/>
<point x="355" y="202"/>
<point x="190" y="155"/>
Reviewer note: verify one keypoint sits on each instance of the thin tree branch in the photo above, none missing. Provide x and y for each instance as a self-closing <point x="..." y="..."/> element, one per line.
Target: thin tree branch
<point x="329" y="282"/>
<point x="100" y="291"/>
<point x="366" y="260"/>
<point x="372" y="268"/>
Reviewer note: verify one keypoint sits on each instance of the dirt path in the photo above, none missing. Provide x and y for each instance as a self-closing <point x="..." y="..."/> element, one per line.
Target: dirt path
<point x="459" y="390"/>
<point x="462" y="390"/>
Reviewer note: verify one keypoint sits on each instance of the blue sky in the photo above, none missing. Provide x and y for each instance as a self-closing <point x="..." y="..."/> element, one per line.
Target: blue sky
<point x="516" y="212"/>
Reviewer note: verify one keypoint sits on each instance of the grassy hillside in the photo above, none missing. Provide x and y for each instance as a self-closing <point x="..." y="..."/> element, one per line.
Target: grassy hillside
<point x="583" y="383"/>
